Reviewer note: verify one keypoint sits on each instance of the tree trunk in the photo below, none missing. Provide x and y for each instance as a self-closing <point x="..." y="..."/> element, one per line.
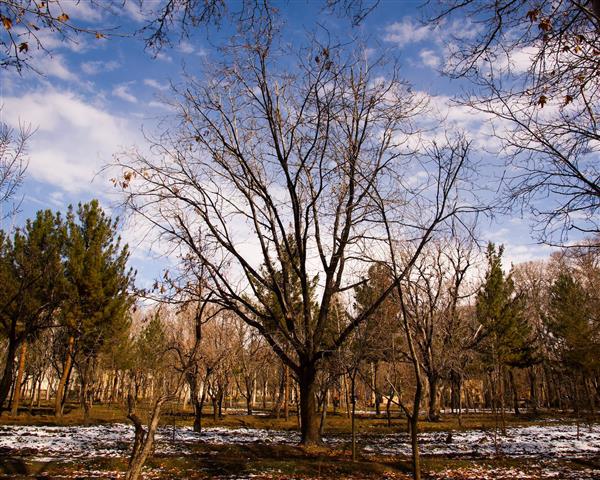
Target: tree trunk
<point x="286" y="393"/>
<point x="19" y="380"/>
<point x="353" y="393"/>
<point x="513" y="387"/>
<point x="533" y="398"/>
<point x="60" y="389"/>
<point x="388" y="410"/>
<point x="414" y="442"/>
<point x="323" y="414"/>
<point x="144" y="440"/>
<point x="86" y="403"/>
<point x="309" y="420"/>
<point x="7" y="376"/>
<point x="433" y="414"/>
<point x="215" y="405"/>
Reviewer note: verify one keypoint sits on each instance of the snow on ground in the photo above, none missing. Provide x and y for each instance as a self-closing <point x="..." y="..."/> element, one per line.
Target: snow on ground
<point x="113" y="440"/>
<point x="531" y="441"/>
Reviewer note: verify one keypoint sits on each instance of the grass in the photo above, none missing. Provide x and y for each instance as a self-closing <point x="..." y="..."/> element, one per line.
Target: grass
<point x="337" y="423"/>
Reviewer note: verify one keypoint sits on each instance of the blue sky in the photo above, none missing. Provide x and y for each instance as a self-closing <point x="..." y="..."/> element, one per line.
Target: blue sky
<point x="96" y="97"/>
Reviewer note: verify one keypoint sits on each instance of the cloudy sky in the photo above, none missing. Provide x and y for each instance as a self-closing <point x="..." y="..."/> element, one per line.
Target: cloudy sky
<point x="93" y="98"/>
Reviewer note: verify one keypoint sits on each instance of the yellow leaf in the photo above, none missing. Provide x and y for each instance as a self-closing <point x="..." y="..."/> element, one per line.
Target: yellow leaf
<point x="63" y="17"/>
<point x="99" y="35"/>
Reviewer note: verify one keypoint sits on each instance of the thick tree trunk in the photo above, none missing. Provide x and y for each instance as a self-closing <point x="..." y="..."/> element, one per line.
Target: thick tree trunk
<point x="309" y="419"/>
<point x="215" y="406"/>
<point x="60" y="389"/>
<point x="7" y="376"/>
<point x="19" y="380"/>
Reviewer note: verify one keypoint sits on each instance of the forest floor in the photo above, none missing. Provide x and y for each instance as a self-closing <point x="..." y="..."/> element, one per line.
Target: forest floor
<point x="260" y="447"/>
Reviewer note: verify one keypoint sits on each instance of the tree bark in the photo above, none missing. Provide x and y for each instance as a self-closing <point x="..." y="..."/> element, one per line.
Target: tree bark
<point x="353" y="393"/>
<point x="7" y="376"/>
<point x="309" y="420"/>
<point x="533" y="397"/>
<point x="433" y="414"/>
<point x="19" y="380"/>
<point x="60" y="389"/>
<point x="143" y="441"/>
<point x="286" y="393"/>
<point x="515" y="393"/>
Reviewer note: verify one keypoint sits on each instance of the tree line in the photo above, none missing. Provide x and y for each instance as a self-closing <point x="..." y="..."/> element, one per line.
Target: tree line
<point x="460" y="333"/>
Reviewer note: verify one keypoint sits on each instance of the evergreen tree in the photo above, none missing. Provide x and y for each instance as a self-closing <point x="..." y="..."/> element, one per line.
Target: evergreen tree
<point x="570" y="320"/>
<point x="506" y="336"/>
<point x="99" y="296"/>
<point x="32" y="282"/>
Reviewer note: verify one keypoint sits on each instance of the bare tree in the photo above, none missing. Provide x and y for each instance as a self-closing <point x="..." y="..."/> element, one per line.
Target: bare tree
<point x="534" y="66"/>
<point x="271" y="162"/>
<point x="443" y="197"/>
<point x="432" y="294"/>
<point x="13" y="164"/>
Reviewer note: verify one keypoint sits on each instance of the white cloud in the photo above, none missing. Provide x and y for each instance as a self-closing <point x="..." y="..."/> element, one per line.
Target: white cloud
<point x="150" y="82"/>
<point x="122" y="91"/>
<point x="186" y="47"/>
<point x="135" y="11"/>
<point x="406" y="31"/>
<point x="429" y="58"/>
<point x="54" y="66"/>
<point x="163" y="57"/>
<point x="73" y="139"/>
<point x="97" y="66"/>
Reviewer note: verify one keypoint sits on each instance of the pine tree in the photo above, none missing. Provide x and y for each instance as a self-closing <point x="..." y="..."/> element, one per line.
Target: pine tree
<point x="570" y="321"/>
<point x="506" y="337"/>
<point x="32" y="282"/>
<point x="99" y="296"/>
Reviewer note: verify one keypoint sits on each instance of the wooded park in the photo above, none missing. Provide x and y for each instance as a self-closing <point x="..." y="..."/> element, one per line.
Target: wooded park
<point x="332" y="299"/>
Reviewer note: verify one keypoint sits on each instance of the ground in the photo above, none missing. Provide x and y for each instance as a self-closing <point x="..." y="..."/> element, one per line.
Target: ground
<point x="261" y="447"/>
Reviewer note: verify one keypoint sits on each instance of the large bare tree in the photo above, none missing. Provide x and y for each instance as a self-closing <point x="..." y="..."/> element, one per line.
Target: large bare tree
<point x="273" y="179"/>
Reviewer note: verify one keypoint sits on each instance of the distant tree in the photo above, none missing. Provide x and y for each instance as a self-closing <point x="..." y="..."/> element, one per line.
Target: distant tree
<point x="574" y="324"/>
<point x="154" y="359"/>
<point x="99" y="293"/>
<point x="505" y="340"/>
<point x="32" y="279"/>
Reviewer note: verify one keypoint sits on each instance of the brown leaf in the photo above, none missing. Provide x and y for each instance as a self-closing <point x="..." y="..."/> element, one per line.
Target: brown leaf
<point x="533" y="15"/>
<point x="23" y="47"/>
<point x="545" y="25"/>
<point x="542" y="101"/>
<point x="568" y="99"/>
<point x="6" y="22"/>
<point x="63" y="17"/>
<point x="99" y="35"/>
